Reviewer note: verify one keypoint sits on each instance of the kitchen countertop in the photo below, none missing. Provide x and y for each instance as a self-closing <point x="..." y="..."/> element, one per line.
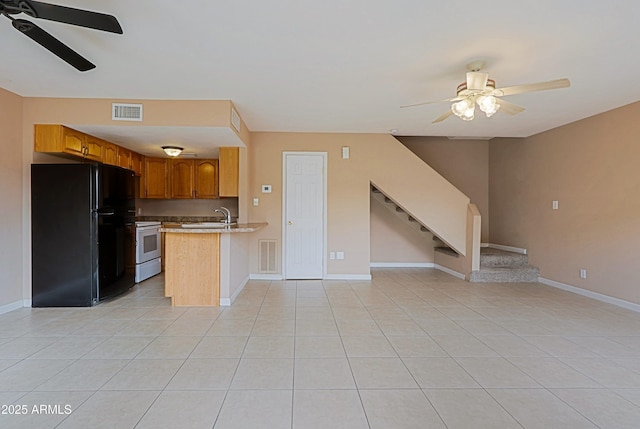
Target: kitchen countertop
<point x="240" y="227"/>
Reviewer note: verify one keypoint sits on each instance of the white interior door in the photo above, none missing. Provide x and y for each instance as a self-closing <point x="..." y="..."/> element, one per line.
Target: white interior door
<point x="304" y="209"/>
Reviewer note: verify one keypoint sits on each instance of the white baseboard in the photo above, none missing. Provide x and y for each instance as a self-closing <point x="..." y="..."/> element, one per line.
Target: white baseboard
<point x="450" y="271"/>
<point x="347" y="277"/>
<point x="590" y="294"/>
<point x="401" y="264"/>
<point x="226" y="302"/>
<point x="266" y="277"/>
<point x="13" y="306"/>
<point x="26" y="303"/>
<point x="508" y="248"/>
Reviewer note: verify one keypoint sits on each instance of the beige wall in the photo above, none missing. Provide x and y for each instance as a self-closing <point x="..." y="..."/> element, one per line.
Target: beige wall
<point x="591" y="168"/>
<point x="464" y="163"/>
<point x="373" y="157"/>
<point x="347" y="193"/>
<point x="395" y="241"/>
<point x="11" y="170"/>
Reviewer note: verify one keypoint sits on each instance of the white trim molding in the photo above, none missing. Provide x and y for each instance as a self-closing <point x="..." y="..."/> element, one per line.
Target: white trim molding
<point x="272" y="277"/>
<point x="508" y="248"/>
<point x="226" y="302"/>
<point x="590" y="294"/>
<point x="402" y="265"/>
<point x="450" y="271"/>
<point x="347" y="277"/>
<point x="14" y="306"/>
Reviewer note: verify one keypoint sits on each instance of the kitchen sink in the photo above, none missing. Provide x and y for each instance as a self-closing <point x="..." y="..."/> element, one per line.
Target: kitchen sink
<point x="207" y="225"/>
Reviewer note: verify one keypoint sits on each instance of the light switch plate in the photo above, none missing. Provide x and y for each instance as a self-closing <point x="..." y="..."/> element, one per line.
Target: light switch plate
<point x="256" y="201"/>
<point x="339" y="255"/>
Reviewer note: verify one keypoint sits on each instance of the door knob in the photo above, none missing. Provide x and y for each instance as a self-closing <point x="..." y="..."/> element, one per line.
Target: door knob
<point x="290" y="223"/>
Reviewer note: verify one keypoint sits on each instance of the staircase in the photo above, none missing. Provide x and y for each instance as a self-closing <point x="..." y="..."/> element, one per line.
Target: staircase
<point x="397" y="210"/>
<point x="500" y="266"/>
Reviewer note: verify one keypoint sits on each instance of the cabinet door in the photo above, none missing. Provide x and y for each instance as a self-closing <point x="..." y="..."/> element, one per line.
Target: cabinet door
<point x="229" y="171"/>
<point x="93" y="148"/>
<point x="181" y="178"/>
<point x="73" y="142"/>
<point x="155" y="178"/>
<point x="206" y="178"/>
<point x="136" y="163"/>
<point x="124" y="157"/>
<point x="110" y="153"/>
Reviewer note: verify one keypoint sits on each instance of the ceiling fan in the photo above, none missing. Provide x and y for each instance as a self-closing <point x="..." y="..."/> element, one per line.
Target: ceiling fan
<point x="67" y="15"/>
<point x="481" y="91"/>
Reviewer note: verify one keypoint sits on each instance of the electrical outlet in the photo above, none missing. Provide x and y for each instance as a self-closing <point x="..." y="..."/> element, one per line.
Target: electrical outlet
<point x="583" y="273"/>
<point x="339" y="255"/>
<point x="554" y="205"/>
<point x="256" y="201"/>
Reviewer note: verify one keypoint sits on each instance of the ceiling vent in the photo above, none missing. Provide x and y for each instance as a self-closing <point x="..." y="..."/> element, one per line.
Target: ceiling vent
<point x="126" y="112"/>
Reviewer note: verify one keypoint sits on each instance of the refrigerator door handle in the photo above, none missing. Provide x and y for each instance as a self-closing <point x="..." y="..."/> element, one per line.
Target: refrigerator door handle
<point x="107" y="213"/>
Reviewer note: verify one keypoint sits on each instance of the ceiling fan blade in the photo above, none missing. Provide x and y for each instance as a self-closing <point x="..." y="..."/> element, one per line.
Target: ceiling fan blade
<point x="69" y="15"/>
<point x="509" y="108"/>
<point x="54" y="45"/>
<point x="433" y="102"/>
<point x="540" y="86"/>
<point x="443" y="117"/>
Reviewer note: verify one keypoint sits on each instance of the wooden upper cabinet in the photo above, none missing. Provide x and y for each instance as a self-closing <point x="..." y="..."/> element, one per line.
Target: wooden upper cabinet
<point x="60" y="139"/>
<point x="155" y="178"/>
<point x="191" y="178"/>
<point x="110" y="153"/>
<point x="182" y="178"/>
<point x="137" y="162"/>
<point x="229" y="171"/>
<point x="206" y="178"/>
<point x="124" y="157"/>
<point x="73" y="142"/>
<point x="93" y="148"/>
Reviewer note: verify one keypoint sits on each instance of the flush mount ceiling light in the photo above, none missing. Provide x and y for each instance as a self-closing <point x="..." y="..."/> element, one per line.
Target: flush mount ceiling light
<point x="481" y="91"/>
<point x="172" y="150"/>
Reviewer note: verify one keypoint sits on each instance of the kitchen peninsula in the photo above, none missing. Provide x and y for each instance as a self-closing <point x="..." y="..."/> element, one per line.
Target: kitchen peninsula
<point x="206" y="265"/>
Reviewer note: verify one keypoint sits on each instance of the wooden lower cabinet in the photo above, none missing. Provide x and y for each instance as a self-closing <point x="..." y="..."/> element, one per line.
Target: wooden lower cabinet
<point x="192" y="269"/>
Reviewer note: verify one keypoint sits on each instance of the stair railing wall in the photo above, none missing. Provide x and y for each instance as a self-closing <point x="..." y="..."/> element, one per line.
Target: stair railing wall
<point x="420" y="190"/>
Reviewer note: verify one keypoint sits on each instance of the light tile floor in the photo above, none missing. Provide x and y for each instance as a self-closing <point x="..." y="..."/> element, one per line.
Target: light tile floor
<point x="413" y="348"/>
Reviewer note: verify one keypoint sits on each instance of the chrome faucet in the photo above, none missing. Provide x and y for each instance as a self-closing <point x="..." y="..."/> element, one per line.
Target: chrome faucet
<point x="226" y="212"/>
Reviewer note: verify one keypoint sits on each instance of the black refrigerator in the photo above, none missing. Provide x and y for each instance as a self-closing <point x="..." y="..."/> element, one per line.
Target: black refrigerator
<point x="82" y="233"/>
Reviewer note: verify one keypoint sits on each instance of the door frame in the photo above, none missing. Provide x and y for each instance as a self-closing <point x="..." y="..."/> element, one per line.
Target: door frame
<point x="324" y="156"/>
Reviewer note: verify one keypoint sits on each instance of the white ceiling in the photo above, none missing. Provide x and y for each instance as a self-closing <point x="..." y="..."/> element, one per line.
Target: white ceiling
<point x="345" y="65"/>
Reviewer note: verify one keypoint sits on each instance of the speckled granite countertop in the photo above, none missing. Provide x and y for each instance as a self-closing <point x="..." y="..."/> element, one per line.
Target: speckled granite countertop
<point x="240" y="227"/>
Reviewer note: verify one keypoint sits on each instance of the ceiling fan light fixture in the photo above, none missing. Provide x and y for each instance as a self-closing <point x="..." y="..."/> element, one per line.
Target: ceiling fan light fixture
<point x="464" y="109"/>
<point x="172" y="150"/>
<point x="488" y="104"/>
